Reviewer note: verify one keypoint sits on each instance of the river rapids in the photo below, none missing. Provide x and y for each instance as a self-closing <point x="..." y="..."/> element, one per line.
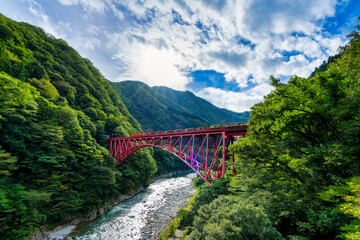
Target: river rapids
<point x="142" y="217"/>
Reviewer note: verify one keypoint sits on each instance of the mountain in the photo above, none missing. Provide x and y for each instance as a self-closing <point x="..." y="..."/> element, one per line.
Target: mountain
<point x="154" y="111"/>
<point x="55" y="110"/>
<point x="162" y="108"/>
<point x="55" y="69"/>
<point x="200" y="107"/>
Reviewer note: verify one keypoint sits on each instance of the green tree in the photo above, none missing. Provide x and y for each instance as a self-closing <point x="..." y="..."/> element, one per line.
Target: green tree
<point x="55" y="110"/>
<point x="35" y="70"/>
<point x="229" y="217"/>
<point x="7" y="163"/>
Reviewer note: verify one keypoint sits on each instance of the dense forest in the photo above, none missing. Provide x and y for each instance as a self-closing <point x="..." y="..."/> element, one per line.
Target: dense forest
<point x="162" y="108"/>
<point x="55" y="112"/>
<point x="158" y="114"/>
<point x="200" y="107"/>
<point x="298" y="169"/>
<point x="299" y="166"/>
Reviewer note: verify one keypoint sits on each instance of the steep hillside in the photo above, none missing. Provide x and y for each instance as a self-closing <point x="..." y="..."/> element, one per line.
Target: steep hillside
<point x="201" y="107"/>
<point x="56" y="69"/>
<point x="55" y="109"/>
<point x="154" y="111"/>
<point x="162" y="108"/>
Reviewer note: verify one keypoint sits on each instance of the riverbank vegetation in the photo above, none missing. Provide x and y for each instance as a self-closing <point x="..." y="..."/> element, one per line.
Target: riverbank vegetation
<point x="298" y="168"/>
<point x="55" y="112"/>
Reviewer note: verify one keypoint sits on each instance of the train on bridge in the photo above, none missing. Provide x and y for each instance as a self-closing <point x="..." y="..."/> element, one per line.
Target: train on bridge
<point x="218" y="126"/>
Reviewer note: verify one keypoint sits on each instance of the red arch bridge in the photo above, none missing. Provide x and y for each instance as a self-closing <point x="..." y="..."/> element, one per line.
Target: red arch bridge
<point x="204" y="149"/>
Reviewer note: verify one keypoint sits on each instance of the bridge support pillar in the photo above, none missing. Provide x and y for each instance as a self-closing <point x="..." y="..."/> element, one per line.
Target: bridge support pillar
<point x="223" y="154"/>
<point x="199" y="149"/>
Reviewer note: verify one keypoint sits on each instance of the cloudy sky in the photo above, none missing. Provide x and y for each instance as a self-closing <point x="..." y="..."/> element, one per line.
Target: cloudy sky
<point x="221" y="50"/>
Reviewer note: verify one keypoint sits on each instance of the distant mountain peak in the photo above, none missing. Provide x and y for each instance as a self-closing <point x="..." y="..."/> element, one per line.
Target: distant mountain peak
<point x="162" y="108"/>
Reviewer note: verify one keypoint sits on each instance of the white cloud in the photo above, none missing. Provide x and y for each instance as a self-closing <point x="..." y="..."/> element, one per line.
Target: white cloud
<point x="184" y="47"/>
<point x="157" y="67"/>
<point x="98" y="6"/>
<point x="85" y="43"/>
<point x="141" y="40"/>
<point x="235" y="101"/>
<point x="43" y="20"/>
<point x="88" y="5"/>
<point x="69" y="2"/>
<point x="267" y="24"/>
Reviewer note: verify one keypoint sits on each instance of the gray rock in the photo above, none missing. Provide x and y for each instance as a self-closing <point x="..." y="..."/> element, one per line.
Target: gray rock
<point x="178" y="233"/>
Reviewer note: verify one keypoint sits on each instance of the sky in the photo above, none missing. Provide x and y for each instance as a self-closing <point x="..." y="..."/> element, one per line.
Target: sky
<point x="221" y="50"/>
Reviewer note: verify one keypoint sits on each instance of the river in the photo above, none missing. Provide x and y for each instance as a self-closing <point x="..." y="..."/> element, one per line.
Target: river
<point x="142" y="217"/>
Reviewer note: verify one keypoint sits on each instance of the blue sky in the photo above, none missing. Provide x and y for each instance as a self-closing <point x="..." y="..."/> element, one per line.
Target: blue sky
<point x="222" y="50"/>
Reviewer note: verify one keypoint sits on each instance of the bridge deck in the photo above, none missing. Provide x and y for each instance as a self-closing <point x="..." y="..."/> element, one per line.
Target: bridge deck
<point x="229" y="131"/>
<point x="203" y="149"/>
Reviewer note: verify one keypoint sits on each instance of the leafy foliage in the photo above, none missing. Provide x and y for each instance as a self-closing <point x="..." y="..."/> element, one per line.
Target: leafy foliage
<point x="298" y="168"/>
<point x="56" y="157"/>
<point x="166" y="162"/>
<point x="348" y="199"/>
<point x="230" y="218"/>
<point x="206" y="194"/>
<point x="324" y="66"/>
<point x="54" y="68"/>
<point x="55" y="112"/>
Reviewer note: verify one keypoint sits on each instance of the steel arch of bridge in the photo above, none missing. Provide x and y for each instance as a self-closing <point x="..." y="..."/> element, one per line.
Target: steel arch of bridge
<point x="199" y="149"/>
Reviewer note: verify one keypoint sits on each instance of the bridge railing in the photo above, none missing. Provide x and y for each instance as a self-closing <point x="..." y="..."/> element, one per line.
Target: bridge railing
<point x="204" y="149"/>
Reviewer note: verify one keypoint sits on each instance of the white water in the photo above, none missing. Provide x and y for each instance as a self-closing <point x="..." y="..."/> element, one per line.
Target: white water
<point x="129" y="219"/>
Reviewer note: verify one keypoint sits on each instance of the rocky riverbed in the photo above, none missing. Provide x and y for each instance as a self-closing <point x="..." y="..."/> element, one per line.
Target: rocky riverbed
<point x="142" y="217"/>
<point x="159" y="218"/>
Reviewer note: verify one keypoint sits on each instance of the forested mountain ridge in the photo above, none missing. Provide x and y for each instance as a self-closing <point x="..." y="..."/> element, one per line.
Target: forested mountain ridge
<point x="200" y="107"/>
<point x="157" y="113"/>
<point x="56" y="69"/>
<point x="298" y="169"/>
<point x="162" y="108"/>
<point x="55" y="110"/>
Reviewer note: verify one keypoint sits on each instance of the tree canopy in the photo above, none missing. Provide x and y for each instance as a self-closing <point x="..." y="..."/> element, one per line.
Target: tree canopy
<point x="55" y="112"/>
<point x="298" y="168"/>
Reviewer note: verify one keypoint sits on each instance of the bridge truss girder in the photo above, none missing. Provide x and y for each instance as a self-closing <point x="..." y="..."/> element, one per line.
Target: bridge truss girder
<point x="205" y="152"/>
